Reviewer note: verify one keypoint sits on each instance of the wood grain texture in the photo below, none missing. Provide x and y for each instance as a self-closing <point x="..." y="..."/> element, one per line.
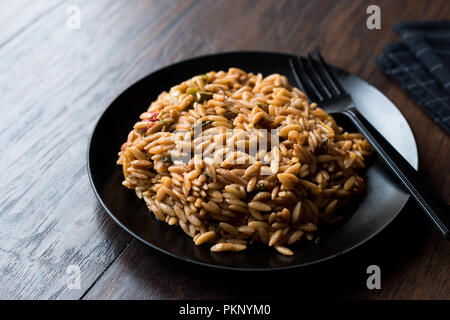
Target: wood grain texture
<point x="56" y="82"/>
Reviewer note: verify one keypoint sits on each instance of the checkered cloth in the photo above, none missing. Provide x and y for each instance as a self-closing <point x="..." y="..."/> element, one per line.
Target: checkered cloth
<point x="421" y="65"/>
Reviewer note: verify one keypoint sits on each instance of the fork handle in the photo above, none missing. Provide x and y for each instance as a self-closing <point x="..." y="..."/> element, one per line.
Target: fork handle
<point x="435" y="207"/>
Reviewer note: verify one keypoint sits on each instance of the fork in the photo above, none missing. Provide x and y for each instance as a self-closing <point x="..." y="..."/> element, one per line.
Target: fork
<point x="321" y="85"/>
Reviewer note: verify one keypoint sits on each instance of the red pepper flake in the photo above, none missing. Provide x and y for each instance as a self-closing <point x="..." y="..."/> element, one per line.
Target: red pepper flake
<point x="361" y="180"/>
<point x="153" y="118"/>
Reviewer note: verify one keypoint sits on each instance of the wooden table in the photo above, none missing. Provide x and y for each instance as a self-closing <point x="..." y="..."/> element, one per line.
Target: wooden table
<point x="56" y="81"/>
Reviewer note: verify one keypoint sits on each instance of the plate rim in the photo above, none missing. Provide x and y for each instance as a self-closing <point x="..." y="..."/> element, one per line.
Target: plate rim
<point x="232" y="268"/>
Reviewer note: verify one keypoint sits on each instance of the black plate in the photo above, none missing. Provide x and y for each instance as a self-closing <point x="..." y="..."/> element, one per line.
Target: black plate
<point x="381" y="204"/>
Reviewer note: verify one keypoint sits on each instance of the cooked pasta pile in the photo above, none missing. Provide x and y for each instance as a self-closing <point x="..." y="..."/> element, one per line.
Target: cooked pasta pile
<point x="267" y="166"/>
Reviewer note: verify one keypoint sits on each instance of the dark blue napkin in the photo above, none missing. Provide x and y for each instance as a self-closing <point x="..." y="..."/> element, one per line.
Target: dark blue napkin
<point x="421" y="66"/>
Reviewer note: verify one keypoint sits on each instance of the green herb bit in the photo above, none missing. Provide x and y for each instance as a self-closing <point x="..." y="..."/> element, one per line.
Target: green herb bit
<point x="167" y="122"/>
<point x="323" y="145"/>
<point x="208" y="177"/>
<point x="160" y="115"/>
<point x="167" y="159"/>
<point x="263" y="106"/>
<point x="261" y="186"/>
<point x="142" y="132"/>
<point x="192" y="91"/>
<point x="202" y="124"/>
<point x="204" y="77"/>
<point x="204" y="95"/>
<point x="205" y="123"/>
<point x="199" y="95"/>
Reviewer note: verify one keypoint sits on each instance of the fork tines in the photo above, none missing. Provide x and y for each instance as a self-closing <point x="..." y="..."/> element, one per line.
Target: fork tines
<point x="316" y="77"/>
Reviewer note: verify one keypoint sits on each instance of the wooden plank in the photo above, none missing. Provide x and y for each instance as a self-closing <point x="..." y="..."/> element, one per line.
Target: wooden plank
<point x="17" y="16"/>
<point x="55" y="83"/>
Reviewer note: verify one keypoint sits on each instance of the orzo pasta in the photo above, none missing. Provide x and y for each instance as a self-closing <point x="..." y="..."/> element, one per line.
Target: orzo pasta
<point x="235" y="158"/>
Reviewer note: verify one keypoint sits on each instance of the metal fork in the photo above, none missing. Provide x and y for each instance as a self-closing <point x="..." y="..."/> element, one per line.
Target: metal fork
<point x="321" y="85"/>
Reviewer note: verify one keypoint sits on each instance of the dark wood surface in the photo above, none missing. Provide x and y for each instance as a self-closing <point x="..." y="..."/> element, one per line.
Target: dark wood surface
<point x="56" y="82"/>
